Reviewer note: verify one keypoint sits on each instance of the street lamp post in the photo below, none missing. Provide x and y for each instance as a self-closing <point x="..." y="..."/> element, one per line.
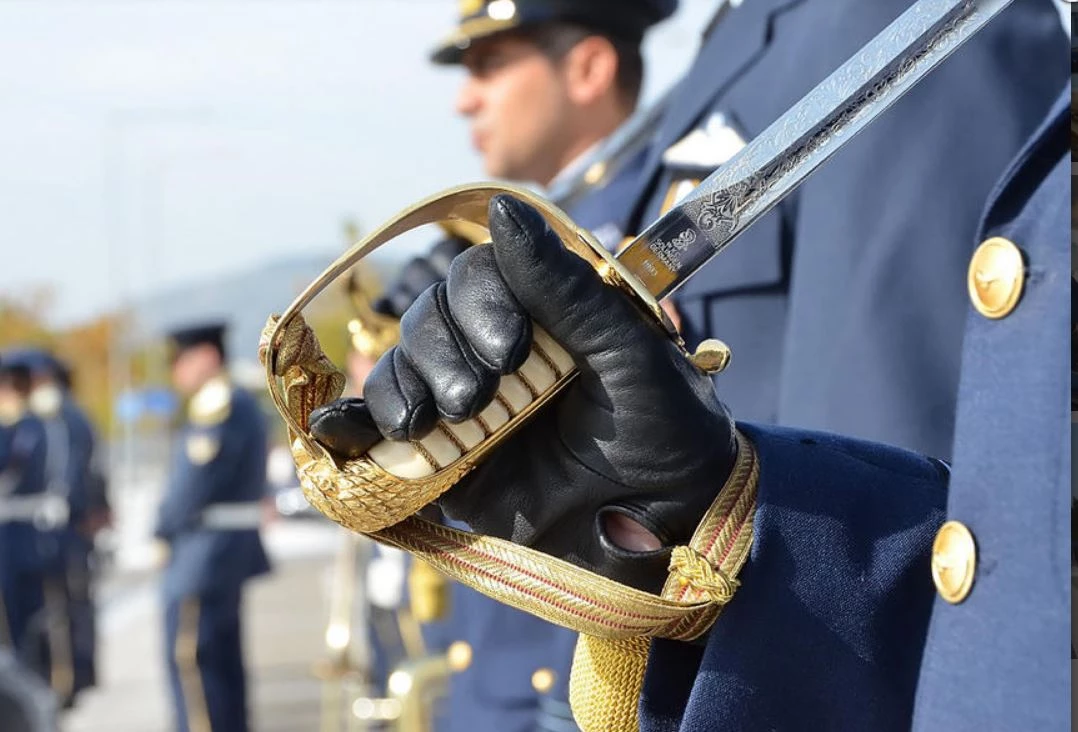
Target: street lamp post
<point x="120" y="122"/>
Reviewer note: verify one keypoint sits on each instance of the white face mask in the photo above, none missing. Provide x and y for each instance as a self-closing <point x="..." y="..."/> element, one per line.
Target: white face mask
<point x="45" y="400"/>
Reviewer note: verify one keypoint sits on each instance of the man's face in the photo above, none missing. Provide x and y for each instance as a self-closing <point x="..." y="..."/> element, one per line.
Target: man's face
<point x="12" y="401"/>
<point x="193" y="367"/>
<point x="516" y="100"/>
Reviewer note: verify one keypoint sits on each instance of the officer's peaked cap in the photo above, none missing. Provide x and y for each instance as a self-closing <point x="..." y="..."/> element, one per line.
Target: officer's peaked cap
<point x="626" y="19"/>
<point x="188" y="336"/>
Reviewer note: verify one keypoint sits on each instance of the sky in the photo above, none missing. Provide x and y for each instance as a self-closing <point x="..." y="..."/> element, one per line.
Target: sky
<point x="149" y="143"/>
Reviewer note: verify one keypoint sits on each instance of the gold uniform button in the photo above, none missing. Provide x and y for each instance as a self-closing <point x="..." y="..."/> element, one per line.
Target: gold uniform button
<point x="954" y="559"/>
<point x="543" y="680"/>
<point x="459" y="656"/>
<point x="595" y="173"/>
<point x="995" y="279"/>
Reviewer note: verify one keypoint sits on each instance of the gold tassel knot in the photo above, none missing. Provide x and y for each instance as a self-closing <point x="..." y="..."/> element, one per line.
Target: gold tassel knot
<point x="692" y="570"/>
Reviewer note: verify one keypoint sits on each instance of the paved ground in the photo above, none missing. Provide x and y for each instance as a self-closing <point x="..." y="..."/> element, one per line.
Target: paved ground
<point x="285" y="618"/>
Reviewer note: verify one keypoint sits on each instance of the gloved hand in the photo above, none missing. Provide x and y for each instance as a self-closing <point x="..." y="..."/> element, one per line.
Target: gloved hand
<point x="613" y="473"/>
<point x="419" y="274"/>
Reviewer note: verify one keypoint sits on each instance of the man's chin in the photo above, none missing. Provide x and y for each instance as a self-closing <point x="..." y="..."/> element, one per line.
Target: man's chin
<point x="495" y="169"/>
<point x="510" y="173"/>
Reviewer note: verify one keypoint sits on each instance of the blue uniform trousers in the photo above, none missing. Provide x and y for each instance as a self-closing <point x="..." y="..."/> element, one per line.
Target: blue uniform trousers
<point x="23" y="598"/>
<point x="205" y="662"/>
<point x="81" y="614"/>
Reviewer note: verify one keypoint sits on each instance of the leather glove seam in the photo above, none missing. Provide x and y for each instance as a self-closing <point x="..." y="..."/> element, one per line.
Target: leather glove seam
<point x="661" y="532"/>
<point x="413" y="409"/>
<point x="463" y="346"/>
<point x="592" y="471"/>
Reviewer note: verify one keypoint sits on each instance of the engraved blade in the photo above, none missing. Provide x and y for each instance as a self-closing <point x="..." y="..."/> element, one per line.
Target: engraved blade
<point x="766" y="170"/>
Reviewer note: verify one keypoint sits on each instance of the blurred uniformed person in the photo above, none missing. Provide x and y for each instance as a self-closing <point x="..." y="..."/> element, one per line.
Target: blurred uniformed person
<point x="547" y="81"/>
<point x="548" y="86"/>
<point x="75" y="481"/>
<point x="881" y="589"/>
<point x="27" y="704"/>
<point x="210" y="520"/>
<point x="550" y="89"/>
<point x="28" y="550"/>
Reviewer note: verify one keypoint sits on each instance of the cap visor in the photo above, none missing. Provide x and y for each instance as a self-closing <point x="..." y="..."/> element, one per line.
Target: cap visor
<point x="451" y="49"/>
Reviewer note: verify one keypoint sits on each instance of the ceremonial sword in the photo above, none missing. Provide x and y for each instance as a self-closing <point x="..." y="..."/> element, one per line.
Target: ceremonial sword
<point x="396" y="479"/>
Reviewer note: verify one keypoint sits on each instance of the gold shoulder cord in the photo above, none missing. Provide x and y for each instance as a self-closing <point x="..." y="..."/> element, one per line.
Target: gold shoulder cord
<point x="616" y="622"/>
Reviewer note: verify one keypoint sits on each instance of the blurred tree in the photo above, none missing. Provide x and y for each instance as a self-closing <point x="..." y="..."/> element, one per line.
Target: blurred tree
<point x="21" y="320"/>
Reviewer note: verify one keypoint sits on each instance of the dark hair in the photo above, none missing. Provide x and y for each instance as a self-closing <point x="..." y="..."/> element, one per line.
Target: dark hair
<point x="16" y="378"/>
<point x="556" y="38"/>
<point x="64" y="377"/>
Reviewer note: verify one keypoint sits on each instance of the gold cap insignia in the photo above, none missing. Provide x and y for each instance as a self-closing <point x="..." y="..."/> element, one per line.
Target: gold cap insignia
<point x="469" y="7"/>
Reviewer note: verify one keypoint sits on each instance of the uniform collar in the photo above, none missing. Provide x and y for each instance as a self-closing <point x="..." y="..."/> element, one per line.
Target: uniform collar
<point x="574" y="169"/>
<point x="737" y="41"/>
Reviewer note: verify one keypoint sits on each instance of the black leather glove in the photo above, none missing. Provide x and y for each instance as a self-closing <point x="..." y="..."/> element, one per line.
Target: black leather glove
<point x="419" y="274"/>
<point x="639" y="435"/>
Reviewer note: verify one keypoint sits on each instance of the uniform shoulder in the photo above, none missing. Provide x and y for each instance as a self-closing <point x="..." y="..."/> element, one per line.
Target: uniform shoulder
<point x="76" y="417"/>
<point x="243" y="399"/>
<point x="28" y="434"/>
<point x="212" y="404"/>
<point x="245" y="405"/>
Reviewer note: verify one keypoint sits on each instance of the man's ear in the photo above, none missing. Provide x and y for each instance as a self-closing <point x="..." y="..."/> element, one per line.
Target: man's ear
<point x="591" y="69"/>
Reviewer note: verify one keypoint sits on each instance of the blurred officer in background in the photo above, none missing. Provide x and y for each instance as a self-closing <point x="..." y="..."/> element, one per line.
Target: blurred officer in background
<point x="549" y="92"/>
<point x="77" y="484"/>
<point x="210" y="518"/>
<point x="27" y="553"/>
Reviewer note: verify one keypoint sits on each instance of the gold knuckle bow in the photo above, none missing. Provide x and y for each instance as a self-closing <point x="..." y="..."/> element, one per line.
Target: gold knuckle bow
<point x="380" y="493"/>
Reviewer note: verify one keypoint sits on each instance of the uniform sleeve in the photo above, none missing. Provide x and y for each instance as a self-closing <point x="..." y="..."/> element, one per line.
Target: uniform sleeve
<point x="80" y="465"/>
<point x="828" y="625"/>
<point x="27" y="459"/>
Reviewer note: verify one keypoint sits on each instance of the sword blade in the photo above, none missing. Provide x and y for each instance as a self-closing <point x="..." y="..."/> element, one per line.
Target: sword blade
<point x="766" y="170"/>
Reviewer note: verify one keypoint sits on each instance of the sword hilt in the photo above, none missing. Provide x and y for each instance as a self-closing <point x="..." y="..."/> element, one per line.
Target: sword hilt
<point x="397" y="478"/>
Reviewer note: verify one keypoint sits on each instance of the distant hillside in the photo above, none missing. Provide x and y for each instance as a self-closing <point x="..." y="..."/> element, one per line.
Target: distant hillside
<point x="243" y="299"/>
